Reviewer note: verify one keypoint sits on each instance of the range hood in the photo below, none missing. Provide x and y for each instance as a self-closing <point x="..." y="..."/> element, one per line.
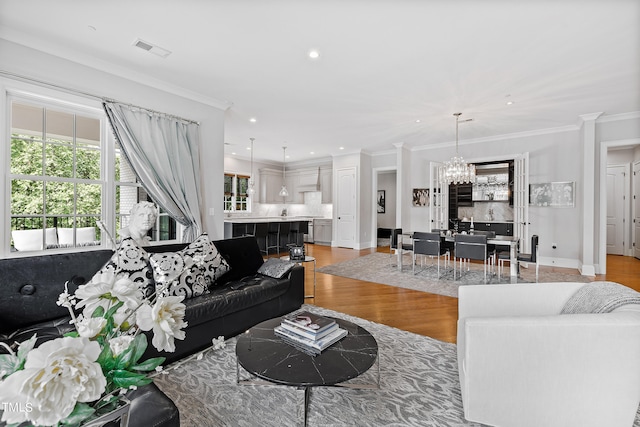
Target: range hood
<point x="311" y="187"/>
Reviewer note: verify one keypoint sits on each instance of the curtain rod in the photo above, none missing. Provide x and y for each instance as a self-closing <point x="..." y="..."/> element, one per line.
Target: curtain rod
<point x="90" y="95"/>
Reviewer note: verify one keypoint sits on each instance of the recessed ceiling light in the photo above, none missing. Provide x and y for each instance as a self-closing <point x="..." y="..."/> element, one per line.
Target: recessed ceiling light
<point x="341" y="148"/>
<point x="509" y="102"/>
<point x="314" y="54"/>
<point x="249" y="148"/>
<point x="252" y="120"/>
<point x="233" y="153"/>
<point x="418" y="121"/>
<point x="311" y="152"/>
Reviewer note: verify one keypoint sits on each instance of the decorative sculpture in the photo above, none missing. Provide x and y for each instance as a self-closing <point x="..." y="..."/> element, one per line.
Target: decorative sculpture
<point x="142" y="219"/>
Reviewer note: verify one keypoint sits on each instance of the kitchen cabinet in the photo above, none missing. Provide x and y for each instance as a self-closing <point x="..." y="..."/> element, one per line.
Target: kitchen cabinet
<point x="297" y="181"/>
<point x="270" y="184"/>
<point x="326" y="184"/>
<point x="322" y="231"/>
<point x="460" y="195"/>
<point x="293" y="185"/>
<point x="500" y="228"/>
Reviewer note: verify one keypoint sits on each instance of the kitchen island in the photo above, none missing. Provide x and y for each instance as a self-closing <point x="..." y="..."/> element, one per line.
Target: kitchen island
<point x="278" y="231"/>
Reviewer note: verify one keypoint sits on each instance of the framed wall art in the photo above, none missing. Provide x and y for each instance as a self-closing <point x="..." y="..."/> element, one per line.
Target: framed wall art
<point x="381" y="201"/>
<point x="420" y="197"/>
<point x="553" y="194"/>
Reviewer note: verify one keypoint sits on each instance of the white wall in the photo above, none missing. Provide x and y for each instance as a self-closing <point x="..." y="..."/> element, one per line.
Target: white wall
<point x="38" y="65"/>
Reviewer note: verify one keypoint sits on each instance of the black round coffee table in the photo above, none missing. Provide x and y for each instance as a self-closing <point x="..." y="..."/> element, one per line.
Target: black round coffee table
<point x="266" y="356"/>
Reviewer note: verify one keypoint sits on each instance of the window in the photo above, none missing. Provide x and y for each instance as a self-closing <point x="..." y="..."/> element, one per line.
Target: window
<point x="60" y="164"/>
<point x="235" y="192"/>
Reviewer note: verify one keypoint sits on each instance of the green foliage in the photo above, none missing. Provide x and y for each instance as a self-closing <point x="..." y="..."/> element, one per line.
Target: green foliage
<point x="35" y="160"/>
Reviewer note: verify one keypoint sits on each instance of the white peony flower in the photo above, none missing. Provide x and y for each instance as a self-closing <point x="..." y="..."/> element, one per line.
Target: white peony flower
<point x="56" y="375"/>
<point x="120" y="344"/>
<point x="128" y="292"/>
<point x="105" y="285"/>
<point x="89" y="327"/>
<point x="166" y="318"/>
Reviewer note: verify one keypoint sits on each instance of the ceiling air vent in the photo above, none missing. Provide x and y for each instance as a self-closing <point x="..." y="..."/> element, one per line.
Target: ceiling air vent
<point x="149" y="47"/>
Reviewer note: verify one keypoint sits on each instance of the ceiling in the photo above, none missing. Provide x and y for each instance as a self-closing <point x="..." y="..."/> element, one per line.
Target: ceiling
<point x="389" y="71"/>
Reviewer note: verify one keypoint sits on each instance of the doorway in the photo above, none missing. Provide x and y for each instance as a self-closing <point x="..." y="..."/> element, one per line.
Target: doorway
<point x="619" y="152"/>
<point x="385" y="188"/>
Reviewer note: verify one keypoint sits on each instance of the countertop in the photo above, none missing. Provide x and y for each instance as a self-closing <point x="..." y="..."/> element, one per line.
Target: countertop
<point x="254" y="219"/>
<point x="490" y="222"/>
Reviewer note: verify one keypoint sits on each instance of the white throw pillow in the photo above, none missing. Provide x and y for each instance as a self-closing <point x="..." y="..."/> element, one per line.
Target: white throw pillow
<point x="83" y="235"/>
<point x="31" y="240"/>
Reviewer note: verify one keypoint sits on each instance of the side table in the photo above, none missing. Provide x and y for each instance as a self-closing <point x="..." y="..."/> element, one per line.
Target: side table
<point x="307" y="258"/>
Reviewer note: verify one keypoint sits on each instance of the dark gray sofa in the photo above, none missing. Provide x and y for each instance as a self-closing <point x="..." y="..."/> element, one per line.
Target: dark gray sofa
<point x="30" y="287"/>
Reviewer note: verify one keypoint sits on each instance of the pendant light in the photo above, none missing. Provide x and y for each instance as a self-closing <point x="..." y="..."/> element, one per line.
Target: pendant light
<point x="283" y="191"/>
<point x="456" y="170"/>
<point x="251" y="190"/>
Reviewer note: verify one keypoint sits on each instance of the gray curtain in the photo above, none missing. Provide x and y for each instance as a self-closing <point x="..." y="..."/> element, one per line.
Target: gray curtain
<point x="163" y="152"/>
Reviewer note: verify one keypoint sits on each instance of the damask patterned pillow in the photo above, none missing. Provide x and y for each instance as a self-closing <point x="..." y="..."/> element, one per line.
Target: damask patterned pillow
<point x="190" y="271"/>
<point x="132" y="262"/>
<point x="276" y="268"/>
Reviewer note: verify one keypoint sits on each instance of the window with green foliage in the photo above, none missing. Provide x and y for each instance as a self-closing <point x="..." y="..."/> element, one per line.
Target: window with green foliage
<point x="60" y="166"/>
<point x="236" y="197"/>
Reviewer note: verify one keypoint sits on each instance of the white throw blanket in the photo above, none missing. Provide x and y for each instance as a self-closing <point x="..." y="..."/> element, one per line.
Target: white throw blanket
<point x="600" y="297"/>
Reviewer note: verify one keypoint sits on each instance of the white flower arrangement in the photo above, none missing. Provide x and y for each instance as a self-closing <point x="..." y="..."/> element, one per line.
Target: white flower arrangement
<point x="73" y="379"/>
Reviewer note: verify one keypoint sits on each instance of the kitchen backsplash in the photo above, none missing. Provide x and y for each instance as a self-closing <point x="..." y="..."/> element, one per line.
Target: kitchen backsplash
<point x="312" y="206"/>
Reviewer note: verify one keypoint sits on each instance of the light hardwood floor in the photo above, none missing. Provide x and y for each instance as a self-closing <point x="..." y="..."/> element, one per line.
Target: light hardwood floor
<point x="422" y="313"/>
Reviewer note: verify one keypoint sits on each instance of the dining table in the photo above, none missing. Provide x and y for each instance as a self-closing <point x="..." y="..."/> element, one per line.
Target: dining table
<point x="512" y="241"/>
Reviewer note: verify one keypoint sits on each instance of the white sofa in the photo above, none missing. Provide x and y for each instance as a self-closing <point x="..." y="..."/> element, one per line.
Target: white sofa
<point x="522" y="363"/>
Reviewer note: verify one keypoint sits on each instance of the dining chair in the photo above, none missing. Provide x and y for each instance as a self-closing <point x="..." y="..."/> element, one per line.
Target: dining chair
<point x="431" y="245"/>
<point x="491" y="248"/>
<point x="393" y="246"/>
<point x="521" y="257"/>
<point x="472" y="247"/>
<point x="447" y="243"/>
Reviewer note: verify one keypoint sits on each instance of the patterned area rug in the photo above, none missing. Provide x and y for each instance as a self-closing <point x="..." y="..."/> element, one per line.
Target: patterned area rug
<point x="419" y="386"/>
<point x="380" y="268"/>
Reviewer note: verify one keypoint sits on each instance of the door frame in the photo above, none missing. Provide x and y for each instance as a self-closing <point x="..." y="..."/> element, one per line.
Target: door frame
<point x="374" y="201"/>
<point x="601" y="267"/>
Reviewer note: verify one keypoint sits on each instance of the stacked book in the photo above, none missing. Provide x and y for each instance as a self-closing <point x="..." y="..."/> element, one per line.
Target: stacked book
<point x="308" y="332"/>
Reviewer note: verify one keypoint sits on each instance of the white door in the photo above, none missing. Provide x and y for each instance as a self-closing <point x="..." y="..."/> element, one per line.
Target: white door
<point x="636" y="209"/>
<point x="439" y="200"/>
<point x="521" y="201"/>
<point x="346" y="209"/>
<point x="615" y="210"/>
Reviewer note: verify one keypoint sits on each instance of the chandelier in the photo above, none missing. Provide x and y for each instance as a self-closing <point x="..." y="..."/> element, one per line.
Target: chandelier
<point x="456" y="170"/>
<point x="251" y="190"/>
<point x="283" y="191"/>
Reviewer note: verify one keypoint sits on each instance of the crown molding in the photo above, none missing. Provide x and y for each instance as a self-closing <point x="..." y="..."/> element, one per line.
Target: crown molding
<point x="589" y="117"/>
<point x="569" y="128"/>
<point x="616" y="117"/>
